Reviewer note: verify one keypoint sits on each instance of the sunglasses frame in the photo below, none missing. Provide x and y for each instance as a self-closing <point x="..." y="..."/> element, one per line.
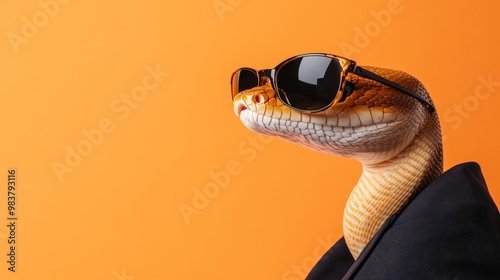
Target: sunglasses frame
<point x="347" y="66"/>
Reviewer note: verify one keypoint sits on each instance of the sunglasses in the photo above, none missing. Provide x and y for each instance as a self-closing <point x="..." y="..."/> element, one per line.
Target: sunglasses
<point x="312" y="82"/>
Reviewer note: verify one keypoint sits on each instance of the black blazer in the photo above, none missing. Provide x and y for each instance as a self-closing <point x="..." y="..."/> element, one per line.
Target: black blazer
<point x="451" y="230"/>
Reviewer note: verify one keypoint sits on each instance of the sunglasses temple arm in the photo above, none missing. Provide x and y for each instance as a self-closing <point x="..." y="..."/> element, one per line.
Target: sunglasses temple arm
<point x="370" y="75"/>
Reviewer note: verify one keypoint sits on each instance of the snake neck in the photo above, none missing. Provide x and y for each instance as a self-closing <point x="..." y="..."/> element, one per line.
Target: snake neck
<point x="385" y="188"/>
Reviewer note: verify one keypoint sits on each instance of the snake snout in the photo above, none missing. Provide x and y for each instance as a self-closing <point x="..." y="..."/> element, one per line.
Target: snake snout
<point x="241" y="103"/>
<point x="249" y="99"/>
<point x="239" y="107"/>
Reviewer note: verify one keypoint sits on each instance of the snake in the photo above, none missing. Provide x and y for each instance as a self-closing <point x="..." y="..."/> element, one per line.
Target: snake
<point x="396" y="139"/>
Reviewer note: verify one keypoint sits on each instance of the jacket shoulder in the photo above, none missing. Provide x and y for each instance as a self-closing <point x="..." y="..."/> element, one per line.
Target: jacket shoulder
<point x="451" y="230"/>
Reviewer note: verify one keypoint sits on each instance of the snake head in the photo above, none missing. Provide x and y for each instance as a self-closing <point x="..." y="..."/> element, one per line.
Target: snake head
<point x="373" y="123"/>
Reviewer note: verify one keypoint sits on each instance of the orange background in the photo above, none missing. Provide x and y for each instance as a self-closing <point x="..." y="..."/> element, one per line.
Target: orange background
<point x="117" y="215"/>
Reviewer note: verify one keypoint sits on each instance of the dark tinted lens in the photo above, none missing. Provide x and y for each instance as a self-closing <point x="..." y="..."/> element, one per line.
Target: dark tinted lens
<point x="244" y="79"/>
<point x="309" y="83"/>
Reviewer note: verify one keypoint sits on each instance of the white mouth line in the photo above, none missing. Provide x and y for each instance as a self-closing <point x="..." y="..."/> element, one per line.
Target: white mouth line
<point x="276" y="124"/>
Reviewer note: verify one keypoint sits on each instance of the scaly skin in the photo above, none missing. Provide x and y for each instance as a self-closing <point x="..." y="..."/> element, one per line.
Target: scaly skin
<point x="397" y="140"/>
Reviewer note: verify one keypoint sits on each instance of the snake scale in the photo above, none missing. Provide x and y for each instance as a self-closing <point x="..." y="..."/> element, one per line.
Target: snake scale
<point x="395" y="138"/>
